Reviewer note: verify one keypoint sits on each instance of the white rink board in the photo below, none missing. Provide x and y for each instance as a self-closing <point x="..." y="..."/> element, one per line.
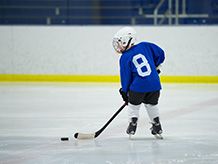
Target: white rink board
<point x="190" y="50"/>
<point x="34" y="116"/>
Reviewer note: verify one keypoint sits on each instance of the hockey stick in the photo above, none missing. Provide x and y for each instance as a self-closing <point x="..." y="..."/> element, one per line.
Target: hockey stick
<point x="97" y="133"/>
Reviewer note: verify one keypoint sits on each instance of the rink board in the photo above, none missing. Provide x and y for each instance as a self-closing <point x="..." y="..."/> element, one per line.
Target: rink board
<point x="98" y="78"/>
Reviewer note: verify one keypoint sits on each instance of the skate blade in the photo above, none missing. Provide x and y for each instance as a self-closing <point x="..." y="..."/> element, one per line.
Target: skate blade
<point x="158" y="136"/>
<point x="131" y="136"/>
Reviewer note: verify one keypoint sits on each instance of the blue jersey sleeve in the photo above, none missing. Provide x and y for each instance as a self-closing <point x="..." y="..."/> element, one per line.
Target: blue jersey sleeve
<point x="125" y="74"/>
<point x="158" y="54"/>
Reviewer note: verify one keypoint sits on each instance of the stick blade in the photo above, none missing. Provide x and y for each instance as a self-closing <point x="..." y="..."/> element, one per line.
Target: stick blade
<point x="84" y="136"/>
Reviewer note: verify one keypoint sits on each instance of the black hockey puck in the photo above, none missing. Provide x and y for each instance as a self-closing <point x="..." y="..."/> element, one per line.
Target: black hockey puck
<point x="64" y="138"/>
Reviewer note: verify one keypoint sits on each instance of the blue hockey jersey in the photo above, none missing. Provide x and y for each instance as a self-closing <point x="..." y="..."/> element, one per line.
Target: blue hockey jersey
<point x="138" y="68"/>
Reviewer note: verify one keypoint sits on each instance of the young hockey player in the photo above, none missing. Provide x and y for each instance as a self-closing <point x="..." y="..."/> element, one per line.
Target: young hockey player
<point x="139" y="69"/>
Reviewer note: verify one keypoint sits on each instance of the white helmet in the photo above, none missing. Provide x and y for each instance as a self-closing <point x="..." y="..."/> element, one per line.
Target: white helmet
<point x="124" y="39"/>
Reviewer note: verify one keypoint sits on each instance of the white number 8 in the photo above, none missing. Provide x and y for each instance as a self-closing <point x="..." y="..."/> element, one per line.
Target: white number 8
<point x="139" y="66"/>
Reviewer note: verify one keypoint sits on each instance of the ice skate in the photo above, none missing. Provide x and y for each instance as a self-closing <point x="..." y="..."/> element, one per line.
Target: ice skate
<point x="132" y="127"/>
<point x="156" y="129"/>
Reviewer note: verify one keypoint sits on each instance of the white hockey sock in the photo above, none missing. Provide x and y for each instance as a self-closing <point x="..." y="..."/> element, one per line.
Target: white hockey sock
<point x="153" y="111"/>
<point x="133" y="111"/>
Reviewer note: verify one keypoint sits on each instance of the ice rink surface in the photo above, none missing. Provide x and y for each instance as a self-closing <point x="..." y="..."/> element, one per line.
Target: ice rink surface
<point x="34" y="116"/>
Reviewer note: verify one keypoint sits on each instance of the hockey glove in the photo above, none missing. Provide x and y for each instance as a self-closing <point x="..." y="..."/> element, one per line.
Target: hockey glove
<point x="124" y="95"/>
<point x="158" y="69"/>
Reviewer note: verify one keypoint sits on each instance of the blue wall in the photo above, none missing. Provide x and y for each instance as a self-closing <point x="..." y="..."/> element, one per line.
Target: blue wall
<point x="103" y="12"/>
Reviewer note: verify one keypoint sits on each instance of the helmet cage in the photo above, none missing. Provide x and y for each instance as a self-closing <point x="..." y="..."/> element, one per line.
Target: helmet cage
<point x="118" y="46"/>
